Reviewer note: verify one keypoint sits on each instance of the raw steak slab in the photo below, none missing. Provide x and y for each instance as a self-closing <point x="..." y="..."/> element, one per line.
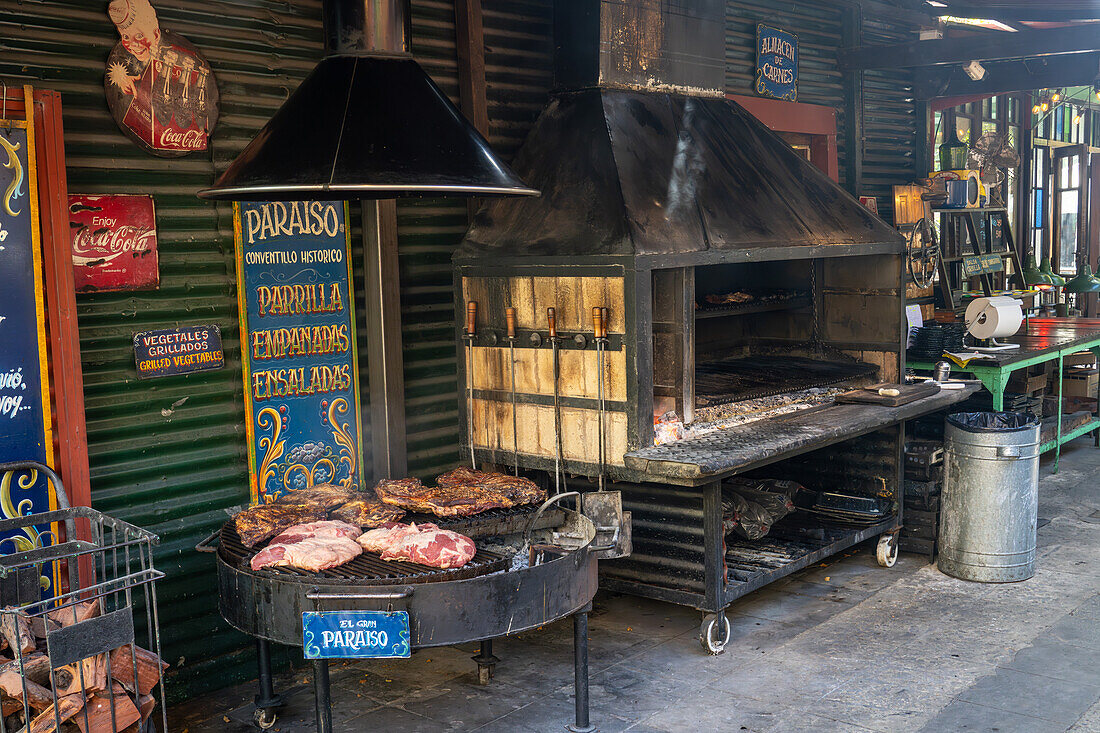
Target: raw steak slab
<point x="314" y="554"/>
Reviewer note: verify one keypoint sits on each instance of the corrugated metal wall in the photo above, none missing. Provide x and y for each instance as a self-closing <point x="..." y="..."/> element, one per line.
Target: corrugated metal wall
<point x="818" y="27"/>
<point x="889" y="122"/>
<point x="889" y="117"/>
<point x="167" y="454"/>
<point x="519" y="71"/>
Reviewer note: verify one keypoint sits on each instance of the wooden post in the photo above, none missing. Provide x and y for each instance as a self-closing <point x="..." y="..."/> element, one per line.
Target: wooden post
<point x="852" y="37"/>
<point x="385" y="365"/>
<point x="470" y="48"/>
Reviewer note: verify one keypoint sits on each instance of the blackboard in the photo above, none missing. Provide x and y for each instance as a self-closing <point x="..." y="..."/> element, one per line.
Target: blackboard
<point x="297" y="345"/>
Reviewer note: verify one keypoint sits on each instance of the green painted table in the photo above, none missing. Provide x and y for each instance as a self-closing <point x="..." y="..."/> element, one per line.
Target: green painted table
<point x="1041" y="340"/>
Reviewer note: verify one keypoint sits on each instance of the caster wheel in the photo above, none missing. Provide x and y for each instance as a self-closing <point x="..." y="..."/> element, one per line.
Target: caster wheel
<point x="714" y="636"/>
<point x="264" y="718"/>
<point x="887" y="550"/>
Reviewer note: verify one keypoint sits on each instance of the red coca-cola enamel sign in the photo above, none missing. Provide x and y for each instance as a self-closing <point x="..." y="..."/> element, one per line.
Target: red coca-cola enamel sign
<point x="160" y="89"/>
<point x="114" y="242"/>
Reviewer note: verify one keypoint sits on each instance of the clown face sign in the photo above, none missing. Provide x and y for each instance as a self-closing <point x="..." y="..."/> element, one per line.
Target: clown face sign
<point x="160" y="89"/>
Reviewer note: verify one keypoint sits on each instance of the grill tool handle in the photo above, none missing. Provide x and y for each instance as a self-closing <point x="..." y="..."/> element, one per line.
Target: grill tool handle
<point x="205" y="545"/>
<point x="552" y="322"/>
<point x="597" y="321"/>
<point x="471" y="318"/>
<point x="510" y="317"/>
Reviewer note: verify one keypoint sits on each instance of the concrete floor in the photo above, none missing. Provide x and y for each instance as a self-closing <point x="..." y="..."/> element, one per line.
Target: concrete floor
<point x="843" y="646"/>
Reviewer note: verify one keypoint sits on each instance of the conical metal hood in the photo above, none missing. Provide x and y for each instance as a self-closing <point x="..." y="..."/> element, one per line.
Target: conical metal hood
<point x="366" y="124"/>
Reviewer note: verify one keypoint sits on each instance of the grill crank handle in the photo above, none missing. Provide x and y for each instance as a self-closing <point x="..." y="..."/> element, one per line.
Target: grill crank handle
<point x="546" y="505"/>
<point x="315" y="595"/>
<point x="205" y="545"/>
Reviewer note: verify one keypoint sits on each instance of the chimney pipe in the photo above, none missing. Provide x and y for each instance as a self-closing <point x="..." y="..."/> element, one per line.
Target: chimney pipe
<point x="366" y="26"/>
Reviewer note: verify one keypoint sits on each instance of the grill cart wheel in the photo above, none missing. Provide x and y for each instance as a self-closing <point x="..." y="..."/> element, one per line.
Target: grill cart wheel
<point x="887" y="550"/>
<point x="712" y="643"/>
<point x="264" y="717"/>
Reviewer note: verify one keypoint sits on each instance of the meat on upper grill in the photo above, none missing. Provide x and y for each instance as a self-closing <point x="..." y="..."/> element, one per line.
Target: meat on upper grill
<point x="367" y="512"/>
<point x="328" y="495"/>
<point x="267" y="520"/>
<point x="461" y="492"/>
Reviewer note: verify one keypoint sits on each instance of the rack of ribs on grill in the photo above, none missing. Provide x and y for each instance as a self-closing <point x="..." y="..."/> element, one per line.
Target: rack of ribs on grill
<point x="328" y="495"/>
<point x="313" y="546"/>
<point x="267" y="520"/>
<point x="424" y="544"/>
<point x="460" y="492"/>
<point x="367" y="512"/>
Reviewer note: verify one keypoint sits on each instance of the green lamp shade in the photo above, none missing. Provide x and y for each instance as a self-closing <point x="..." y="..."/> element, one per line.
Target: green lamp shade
<point x="1032" y="274"/>
<point x="1085" y="282"/>
<point x="1056" y="280"/>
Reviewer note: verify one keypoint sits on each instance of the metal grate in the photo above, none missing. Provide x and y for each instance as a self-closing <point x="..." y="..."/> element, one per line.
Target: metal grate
<point x="366" y="568"/>
<point x="732" y="380"/>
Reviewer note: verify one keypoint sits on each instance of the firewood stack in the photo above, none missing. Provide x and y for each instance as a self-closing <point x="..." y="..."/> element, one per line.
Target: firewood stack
<point x="80" y="686"/>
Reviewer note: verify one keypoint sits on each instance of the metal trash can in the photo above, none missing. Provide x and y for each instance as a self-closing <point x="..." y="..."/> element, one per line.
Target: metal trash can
<point x="990" y="498"/>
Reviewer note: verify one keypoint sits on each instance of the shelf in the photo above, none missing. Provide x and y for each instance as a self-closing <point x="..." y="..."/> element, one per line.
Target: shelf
<point x="803" y="301"/>
<point x="979" y="210"/>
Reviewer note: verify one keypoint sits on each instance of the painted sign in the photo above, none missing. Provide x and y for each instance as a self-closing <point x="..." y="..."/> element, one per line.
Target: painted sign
<point x="160" y="89"/>
<point x="297" y="345"/>
<point x="173" y="351"/>
<point x="356" y="635"/>
<point x="114" y="242"/>
<point x="776" y="63"/>
<point x="26" y="432"/>
<point x="974" y="265"/>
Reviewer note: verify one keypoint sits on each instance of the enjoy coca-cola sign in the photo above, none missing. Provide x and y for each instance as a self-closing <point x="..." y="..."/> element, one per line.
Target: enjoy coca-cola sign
<point x="114" y="242"/>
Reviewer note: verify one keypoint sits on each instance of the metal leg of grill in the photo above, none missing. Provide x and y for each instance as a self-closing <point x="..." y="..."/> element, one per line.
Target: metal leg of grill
<point x="486" y="662"/>
<point x="267" y="702"/>
<point x="323" y="696"/>
<point x="580" y="672"/>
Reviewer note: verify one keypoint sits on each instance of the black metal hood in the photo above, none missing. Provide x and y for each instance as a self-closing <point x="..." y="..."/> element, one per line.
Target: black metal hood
<point x="637" y="174"/>
<point x="367" y="123"/>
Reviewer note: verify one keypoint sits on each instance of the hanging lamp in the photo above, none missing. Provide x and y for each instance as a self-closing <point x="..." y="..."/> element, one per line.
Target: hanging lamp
<point x="1032" y="275"/>
<point x="1084" y="282"/>
<point x="1055" y="279"/>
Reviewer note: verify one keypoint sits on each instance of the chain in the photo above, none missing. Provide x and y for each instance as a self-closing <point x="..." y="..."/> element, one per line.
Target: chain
<point x="815" y="338"/>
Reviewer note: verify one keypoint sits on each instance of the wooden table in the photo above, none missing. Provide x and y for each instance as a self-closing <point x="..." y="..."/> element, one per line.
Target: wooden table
<point x="1041" y="340"/>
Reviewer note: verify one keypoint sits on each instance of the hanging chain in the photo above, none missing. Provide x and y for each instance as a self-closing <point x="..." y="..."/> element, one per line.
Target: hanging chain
<point x="815" y="337"/>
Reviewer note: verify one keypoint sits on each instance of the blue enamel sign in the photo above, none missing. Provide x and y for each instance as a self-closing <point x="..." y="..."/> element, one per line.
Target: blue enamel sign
<point x="776" y="63"/>
<point x="25" y="418"/>
<point x="356" y="635"/>
<point x="297" y="346"/>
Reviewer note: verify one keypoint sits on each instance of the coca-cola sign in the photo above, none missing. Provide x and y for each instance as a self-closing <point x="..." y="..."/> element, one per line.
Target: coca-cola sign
<point x="160" y="89"/>
<point x="114" y="242"/>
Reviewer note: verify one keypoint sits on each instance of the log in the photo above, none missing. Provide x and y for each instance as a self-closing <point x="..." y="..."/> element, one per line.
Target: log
<point x="41" y="626"/>
<point x="67" y="707"/>
<point x="87" y="675"/>
<point x="99" y="714"/>
<point x="16" y="628"/>
<point x="36" y="667"/>
<point x="12" y="685"/>
<point x="76" y="613"/>
<point x="122" y="668"/>
<point x="146" y="705"/>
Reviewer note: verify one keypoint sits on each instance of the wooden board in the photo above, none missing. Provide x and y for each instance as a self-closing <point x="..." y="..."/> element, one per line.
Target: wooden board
<point x="580" y="431"/>
<point x="572" y="298"/>
<point x="870" y="395"/>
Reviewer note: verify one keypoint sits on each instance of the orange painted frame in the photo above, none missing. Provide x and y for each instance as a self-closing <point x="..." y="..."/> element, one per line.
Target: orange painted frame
<point x="815" y="120"/>
<point x="66" y="375"/>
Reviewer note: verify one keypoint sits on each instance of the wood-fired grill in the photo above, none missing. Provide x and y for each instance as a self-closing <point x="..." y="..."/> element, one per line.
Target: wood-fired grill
<point x="488" y="597"/>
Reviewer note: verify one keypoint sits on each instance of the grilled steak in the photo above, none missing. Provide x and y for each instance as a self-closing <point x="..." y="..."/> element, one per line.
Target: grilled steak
<point x="424" y="544"/>
<point x="267" y="520"/>
<point x="313" y="553"/>
<point x="460" y="492"/>
<point x="329" y="496"/>
<point x="367" y="512"/>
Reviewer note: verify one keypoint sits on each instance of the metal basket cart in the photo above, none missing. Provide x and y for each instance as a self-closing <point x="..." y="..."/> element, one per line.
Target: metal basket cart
<point x="80" y="645"/>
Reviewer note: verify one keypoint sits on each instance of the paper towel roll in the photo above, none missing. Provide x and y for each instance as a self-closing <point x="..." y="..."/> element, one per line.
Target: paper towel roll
<point x="994" y="317"/>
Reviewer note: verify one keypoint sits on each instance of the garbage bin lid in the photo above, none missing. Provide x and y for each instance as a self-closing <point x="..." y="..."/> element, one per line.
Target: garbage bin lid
<point x="992" y="422"/>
